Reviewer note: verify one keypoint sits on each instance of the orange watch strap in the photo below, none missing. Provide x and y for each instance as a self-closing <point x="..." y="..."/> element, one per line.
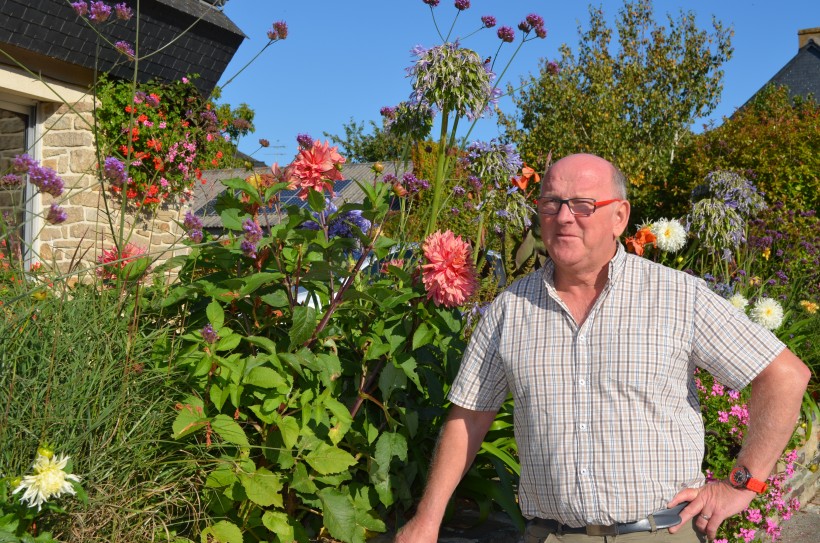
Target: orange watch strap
<point x="757" y="485"/>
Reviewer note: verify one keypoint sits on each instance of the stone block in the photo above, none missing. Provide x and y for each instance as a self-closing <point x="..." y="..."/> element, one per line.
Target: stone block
<point x="59" y="122"/>
<point x="68" y="139"/>
<point x="83" y="160"/>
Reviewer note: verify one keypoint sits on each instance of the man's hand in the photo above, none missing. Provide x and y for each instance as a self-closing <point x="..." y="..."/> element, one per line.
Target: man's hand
<point x="711" y="504"/>
<point x="417" y="531"/>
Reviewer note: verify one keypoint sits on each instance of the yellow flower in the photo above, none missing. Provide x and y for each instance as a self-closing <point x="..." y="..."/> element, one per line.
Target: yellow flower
<point x="49" y="481"/>
<point x="755" y="281"/>
<point x="767" y="252"/>
<point x="810" y="307"/>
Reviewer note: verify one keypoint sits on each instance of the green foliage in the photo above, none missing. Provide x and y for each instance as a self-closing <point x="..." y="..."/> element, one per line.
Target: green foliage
<point x="631" y="104"/>
<point x="379" y="145"/>
<point x="774" y="140"/>
<point x="82" y="370"/>
<point x="318" y="378"/>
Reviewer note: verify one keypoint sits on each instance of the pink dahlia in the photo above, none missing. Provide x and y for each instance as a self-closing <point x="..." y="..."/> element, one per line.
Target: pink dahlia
<point x="316" y="168"/>
<point x="449" y="275"/>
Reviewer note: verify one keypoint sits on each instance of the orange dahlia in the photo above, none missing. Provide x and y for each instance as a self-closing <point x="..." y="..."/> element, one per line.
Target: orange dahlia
<point x="449" y="275"/>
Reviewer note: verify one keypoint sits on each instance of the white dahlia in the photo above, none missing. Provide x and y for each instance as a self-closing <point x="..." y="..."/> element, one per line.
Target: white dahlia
<point x="767" y="312"/>
<point x="49" y="481"/>
<point x="739" y="301"/>
<point x="670" y="234"/>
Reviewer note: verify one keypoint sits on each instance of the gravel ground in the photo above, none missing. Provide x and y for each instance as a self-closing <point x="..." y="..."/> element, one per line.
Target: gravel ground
<point x="804" y="527"/>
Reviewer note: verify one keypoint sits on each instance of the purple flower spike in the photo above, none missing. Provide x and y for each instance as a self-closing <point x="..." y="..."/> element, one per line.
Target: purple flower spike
<point x="304" y="141"/>
<point x="56" y="214"/>
<point x="100" y="12"/>
<point x="209" y="334"/>
<point x="431" y="3"/>
<point x="123" y="12"/>
<point x="80" y="8"/>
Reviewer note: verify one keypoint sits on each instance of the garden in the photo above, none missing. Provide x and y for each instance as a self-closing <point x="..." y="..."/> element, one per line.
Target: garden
<point x="283" y="377"/>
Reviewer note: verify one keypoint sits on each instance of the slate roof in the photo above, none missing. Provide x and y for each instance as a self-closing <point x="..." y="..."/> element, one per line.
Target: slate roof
<point x="347" y="191"/>
<point x="801" y="75"/>
<point x="51" y="28"/>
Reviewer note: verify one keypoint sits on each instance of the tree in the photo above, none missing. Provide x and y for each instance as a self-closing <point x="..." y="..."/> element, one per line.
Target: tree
<point x="774" y="141"/>
<point x="632" y="104"/>
<point x="376" y="146"/>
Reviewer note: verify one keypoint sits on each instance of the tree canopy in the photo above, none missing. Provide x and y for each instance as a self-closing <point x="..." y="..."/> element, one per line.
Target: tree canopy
<point x="628" y="94"/>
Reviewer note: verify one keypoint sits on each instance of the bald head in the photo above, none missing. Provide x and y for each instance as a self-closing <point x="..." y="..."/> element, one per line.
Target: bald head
<point x="592" y="165"/>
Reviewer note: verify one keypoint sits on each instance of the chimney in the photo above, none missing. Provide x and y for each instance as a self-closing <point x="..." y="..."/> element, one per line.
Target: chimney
<point x="803" y="36"/>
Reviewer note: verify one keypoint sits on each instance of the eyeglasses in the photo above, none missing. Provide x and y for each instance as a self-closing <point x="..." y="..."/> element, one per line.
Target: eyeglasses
<point x="581" y="207"/>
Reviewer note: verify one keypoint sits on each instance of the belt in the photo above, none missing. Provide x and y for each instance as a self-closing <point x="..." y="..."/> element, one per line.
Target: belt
<point x="665" y="518"/>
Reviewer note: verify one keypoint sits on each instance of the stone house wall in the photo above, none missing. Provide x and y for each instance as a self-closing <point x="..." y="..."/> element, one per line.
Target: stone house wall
<point x="65" y="142"/>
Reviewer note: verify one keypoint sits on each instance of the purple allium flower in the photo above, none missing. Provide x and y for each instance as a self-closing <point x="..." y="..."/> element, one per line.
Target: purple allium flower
<point x="209" y="334"/>
<point x="11" y="180"/>
<point x="100" y="12"/>
<point x="125" y="48"/>
<point x="191" y="222"/>
<point x="263" y="142"/>
<point x="431" y="3"/>
<point x="22" y="163"/>
<point x="195" y="235"/>
<point x="304" y="141"/>
<point x="56" y="214"/>
<point x="80" y="8"/>
<point x="249" y="248"/>
<point x="114" y="171"/>
<point x="123" y="11"/>
<point x="506" y="34"/>
<point x="461" y="5"/>
<point x="253" y="232"/>
<point x="488" y="20"/>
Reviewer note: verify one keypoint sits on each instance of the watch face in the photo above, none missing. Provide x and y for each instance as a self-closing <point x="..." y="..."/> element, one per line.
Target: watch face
<point x="739" y="476"/>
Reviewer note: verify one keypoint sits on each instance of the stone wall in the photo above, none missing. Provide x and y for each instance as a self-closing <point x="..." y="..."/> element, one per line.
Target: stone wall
<point x="68" y="147"/>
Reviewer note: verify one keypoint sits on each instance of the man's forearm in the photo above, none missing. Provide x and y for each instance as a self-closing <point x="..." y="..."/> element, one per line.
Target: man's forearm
<point x="458" y="444"/>
<point x="777" y="394"/>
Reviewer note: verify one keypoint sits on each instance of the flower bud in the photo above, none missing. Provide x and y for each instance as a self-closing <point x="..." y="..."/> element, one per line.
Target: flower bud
<point x="378" y="167"/>
<point x="45" y="450"/>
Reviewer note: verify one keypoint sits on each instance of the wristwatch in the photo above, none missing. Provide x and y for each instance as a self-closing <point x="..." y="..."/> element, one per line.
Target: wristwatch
<point x="740" y="478"/>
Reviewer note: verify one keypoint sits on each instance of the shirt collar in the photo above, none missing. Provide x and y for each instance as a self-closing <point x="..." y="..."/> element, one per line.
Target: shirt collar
<point x="615" y="270"/>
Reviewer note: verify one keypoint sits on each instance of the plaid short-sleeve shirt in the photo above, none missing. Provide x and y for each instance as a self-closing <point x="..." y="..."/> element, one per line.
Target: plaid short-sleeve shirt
<point x="607" y="419"/>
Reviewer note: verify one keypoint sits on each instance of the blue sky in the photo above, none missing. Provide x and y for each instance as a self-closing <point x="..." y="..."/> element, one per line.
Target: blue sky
<point x="344" y="60"/>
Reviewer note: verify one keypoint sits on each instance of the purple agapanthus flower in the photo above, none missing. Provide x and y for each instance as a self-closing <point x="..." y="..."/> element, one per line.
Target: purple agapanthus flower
<point x="343" y="225"/>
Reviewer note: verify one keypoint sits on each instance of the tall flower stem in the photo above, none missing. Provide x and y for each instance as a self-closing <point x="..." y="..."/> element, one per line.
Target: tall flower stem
<point x="441" y="167"/>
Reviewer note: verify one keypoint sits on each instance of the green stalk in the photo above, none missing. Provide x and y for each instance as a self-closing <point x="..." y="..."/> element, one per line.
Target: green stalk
<point x="441" y="167"/>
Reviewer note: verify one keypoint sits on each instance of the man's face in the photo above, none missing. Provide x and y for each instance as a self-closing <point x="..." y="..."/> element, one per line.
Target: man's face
<point x="577" y="243"/>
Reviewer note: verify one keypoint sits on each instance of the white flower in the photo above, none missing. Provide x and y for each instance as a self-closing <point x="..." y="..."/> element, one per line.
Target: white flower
<point x="670" y="234"/>
<point x="767" y="312"/>
<point x="739" y="301"/>
<point x="49" y="481"/>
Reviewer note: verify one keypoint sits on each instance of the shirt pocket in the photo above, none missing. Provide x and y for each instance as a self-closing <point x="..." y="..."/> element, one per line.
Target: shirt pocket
<point x="647" y="359"/>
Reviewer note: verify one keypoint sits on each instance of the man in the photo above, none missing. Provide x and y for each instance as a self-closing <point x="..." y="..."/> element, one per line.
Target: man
<point x="598" y="349"/>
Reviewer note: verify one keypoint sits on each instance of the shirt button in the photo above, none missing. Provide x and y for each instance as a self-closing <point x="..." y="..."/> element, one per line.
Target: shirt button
<point x="582" y="338"/>
<point x="583" y="471"/>
<point x="583" y="427"/>
<point x="582" y="382"/>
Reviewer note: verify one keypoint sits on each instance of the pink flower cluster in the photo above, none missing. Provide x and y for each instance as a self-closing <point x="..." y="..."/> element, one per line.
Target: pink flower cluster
<point x="111" y="261"/>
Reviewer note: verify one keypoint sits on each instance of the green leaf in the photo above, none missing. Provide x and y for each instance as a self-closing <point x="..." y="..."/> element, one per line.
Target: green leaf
<point x="277" y="299"/>
<point x="390" y="445"/>
<point x="391" y="378"/>
<point x="229" y="430"/>
<point x="304" y="323"/>
<point x="228" y="342"/>
<point x="135" y="269"/>
<point x="262" y="487"/>
<point x="280" y="524"/>
<point x="339" y="516"/>
<point x="326" y="459"/>
<point x="222" y="532"/>
<point x="301" y="481"/>
<point x="263" y="342"/>
<point x="422" y="336"/>
<point x="240" y="184"/>
<point x="289" y="429"/>
<point x="316" y="200"/>
<point x="216" y="315"/>
<point x="189" y="419"/>
<point x="343" y="418"/>
<point x="232" y="218"/>
<point x="264" y="377"/>
<point x="253" y="282"/>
